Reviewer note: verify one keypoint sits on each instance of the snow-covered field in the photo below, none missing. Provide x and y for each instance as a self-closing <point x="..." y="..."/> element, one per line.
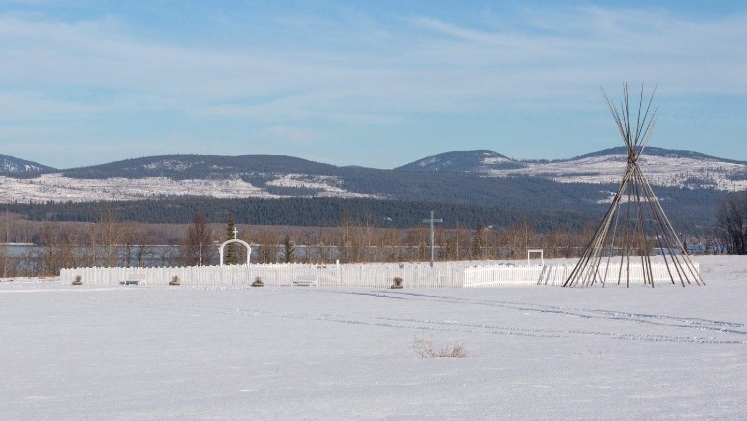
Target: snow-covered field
<point x="294" y="353"/>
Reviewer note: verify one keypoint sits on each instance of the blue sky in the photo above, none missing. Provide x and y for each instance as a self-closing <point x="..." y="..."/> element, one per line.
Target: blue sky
<point x="373" y="83"/>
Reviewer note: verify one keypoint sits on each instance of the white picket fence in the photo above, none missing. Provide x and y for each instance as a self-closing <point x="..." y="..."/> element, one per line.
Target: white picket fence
<point x="345" y="275"/>
<point x="494" y="276"/>
<point x="372" y="275"/>
<point x="616" y="272"/>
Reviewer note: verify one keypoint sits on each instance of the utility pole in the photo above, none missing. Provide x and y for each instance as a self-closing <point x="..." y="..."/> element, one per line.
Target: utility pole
<point x="7" y="243"/>
<point x="431" y="221"/>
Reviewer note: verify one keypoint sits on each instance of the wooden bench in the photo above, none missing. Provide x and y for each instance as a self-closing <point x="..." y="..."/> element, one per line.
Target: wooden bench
<point x="305" y="281"/>
<point x="133" y="281"/>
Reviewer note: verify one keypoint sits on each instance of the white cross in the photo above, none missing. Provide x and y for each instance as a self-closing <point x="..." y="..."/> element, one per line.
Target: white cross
<point x="431" y="221"/>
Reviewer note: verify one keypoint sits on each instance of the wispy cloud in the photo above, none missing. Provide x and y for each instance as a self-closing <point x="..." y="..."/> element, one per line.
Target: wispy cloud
<point x="359" y="69"/>
<point x="431" y="58"/>
<point x="602" y="46"/>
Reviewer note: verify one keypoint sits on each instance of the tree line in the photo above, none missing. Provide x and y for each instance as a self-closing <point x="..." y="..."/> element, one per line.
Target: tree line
<point x="692" y="215"/>
<point x="113" y="242"/>
<point x="731" y="223"/>
<point x="300" y="211"/>
<point x="364" y="230"/>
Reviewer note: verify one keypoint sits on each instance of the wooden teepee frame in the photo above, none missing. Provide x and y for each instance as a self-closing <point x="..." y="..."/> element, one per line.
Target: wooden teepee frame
<point x="635" y="226"/>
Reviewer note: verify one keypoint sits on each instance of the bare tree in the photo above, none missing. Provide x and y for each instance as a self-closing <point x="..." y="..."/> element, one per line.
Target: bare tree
<point x="4" y="252"/>
<point x="58" y="250"/>
<point x="731" y="223"/>
<point x="325" y="246"/>
<point x="391" y="244"/>
<point x="144" y="250"/>
<point x="130" y="239"/>
<point x="478" y="242"/>
<point x="106" y="239"/>
<point x="268" y="246"/>
<point x="349" y="243"/>
<point x="195" y="249"/>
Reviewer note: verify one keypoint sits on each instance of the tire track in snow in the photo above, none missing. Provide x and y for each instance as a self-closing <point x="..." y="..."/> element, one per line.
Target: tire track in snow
<point x="452" y="326"/>
<point x="724" y="327"/>
<point x="643" y="318"/>
<point x="418" y="324"/>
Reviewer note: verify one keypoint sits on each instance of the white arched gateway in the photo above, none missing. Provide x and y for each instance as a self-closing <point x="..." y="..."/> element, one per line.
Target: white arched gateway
<point x="235" y="240"/>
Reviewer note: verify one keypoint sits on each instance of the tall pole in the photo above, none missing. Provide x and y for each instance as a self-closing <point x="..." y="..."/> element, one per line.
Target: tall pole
<point x="431" y="221"/>
<point x="7" y="243"/>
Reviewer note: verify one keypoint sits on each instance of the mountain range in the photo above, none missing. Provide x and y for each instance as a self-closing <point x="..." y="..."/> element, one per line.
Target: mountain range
<point x="689" y="182"/>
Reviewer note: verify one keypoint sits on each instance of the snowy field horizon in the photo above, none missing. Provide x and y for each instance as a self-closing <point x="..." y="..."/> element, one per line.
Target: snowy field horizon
<point x="320" y="353"/>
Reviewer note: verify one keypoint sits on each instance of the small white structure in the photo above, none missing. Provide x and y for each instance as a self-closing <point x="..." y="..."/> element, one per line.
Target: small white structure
<point x="535" y="251"/>
<point x="235" y="240"/>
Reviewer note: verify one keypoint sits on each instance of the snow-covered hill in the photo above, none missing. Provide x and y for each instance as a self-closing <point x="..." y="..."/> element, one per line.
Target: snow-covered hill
<point x="10" y="165"/>
<point x="463" y="161"/>
<point x="691" y="172"/>
<point x="662" y="167"/>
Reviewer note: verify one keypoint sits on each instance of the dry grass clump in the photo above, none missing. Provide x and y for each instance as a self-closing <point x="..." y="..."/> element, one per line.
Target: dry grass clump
<point x="425" y="348"/>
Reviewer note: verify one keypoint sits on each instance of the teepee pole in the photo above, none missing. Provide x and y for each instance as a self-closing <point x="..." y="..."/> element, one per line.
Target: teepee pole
<point x="635" y="223"/>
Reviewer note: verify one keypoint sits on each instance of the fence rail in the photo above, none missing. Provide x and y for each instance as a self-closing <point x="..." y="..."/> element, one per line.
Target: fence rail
<point x="415" y="275"/>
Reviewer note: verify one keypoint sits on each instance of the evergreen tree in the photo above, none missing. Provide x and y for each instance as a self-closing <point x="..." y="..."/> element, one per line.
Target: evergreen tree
<point x="477" y="242"/>
<point x="289" y="250"/>
<point x="231" y="256"/>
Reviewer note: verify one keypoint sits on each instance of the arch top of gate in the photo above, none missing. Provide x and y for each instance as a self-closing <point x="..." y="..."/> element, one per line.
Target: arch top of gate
<point x="235" y="240"/>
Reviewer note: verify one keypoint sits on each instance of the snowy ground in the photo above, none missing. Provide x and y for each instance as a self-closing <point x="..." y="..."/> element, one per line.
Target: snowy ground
<point x="535" y="353"/>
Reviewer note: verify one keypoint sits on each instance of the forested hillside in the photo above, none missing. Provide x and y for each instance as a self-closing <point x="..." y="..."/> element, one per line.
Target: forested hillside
<point x="471" y="187"/>
<point x="335" y="212"/>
